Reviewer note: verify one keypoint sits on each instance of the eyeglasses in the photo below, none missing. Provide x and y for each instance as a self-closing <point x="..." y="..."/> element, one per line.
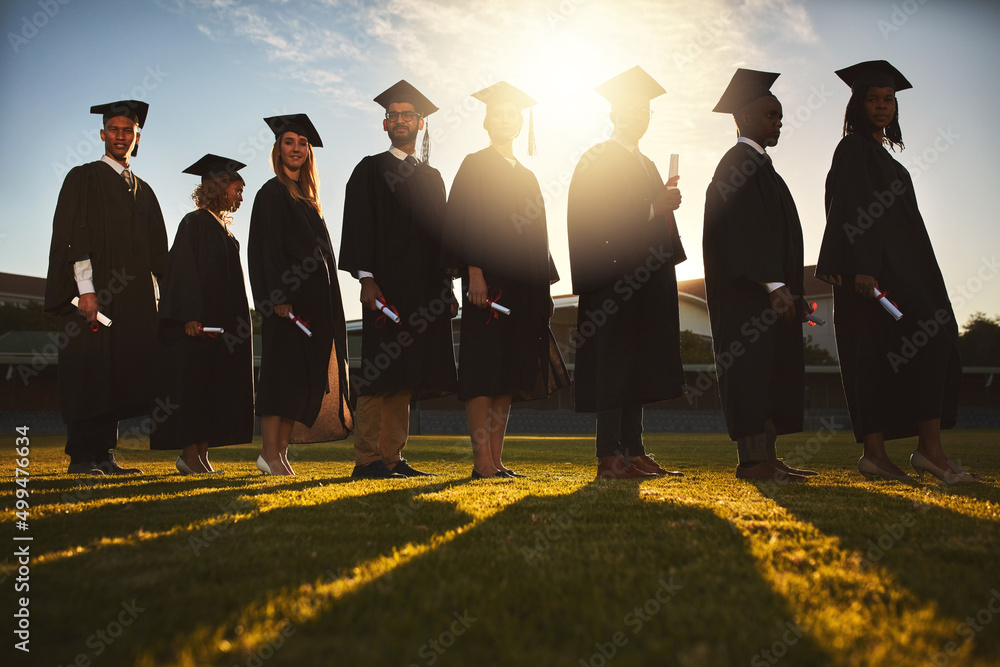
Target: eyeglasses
<point x="407" y="116"/>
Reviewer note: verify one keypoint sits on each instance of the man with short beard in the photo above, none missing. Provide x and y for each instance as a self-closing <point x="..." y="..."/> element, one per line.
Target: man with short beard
<point x="394" y="210"/>
<point x="753" y="279"/>
<point x="109" y="247"/>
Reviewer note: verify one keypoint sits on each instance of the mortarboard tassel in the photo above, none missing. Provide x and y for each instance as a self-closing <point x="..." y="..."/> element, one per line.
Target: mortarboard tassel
<point x="425" y="146"/>
<point x="532" y="150"/>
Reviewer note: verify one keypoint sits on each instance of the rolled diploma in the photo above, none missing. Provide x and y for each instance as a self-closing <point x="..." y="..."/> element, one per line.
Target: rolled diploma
<point x="816" y="319"/>
<point x="385" y="311"/>
<point x="299" y="324"/>
<point x="215" y="330"/>
<point x="672" y="171"/>
<point x="497" y="307"/>
<point x="101" y="317"/>
<point x="891" y="309"/>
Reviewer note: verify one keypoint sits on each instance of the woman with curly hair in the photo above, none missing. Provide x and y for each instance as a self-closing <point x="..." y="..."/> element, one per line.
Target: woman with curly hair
<point x="901" y="377"/>
<point x="205" y="386"/>
<point x="293" y="274"/>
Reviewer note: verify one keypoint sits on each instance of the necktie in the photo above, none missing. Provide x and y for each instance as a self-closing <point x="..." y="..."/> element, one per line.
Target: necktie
<point x="129" y="179"/>
<point x="410" y="160"/>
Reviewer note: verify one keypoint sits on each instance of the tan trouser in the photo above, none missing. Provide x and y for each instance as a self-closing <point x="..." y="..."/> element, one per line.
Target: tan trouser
<point x="381" y="424"/>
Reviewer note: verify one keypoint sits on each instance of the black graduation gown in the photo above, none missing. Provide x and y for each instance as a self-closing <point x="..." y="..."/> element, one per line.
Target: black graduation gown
<point x="108" y="371"/>
<point x="752" y="235"/>
<point x="895" y="373"/>
<point x="628" y="324"/>
<point x="207" y="382"/>
<point x="290" y="260"/>
<point x="496" y="221"/>
<point x="393" y="220"/>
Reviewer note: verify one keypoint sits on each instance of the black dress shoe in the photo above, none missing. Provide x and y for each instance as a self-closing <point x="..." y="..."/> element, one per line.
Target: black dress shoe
<point x="110" y="467"/>
<point x="511" y="473"/>
<point x="85" y="468"/>
<point x="403" y="468"/>
<point x="375" y="470"/>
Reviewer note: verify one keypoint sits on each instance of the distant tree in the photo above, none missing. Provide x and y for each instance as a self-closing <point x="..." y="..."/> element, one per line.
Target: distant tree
<point x="816" y="355"/>
<point x="696" y="349"/>
<point x="979" y="343"/>
<point x="28" y="318"/>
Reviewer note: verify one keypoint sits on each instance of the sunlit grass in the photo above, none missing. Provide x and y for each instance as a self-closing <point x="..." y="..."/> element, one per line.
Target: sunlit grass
<point x="241" y="569"/>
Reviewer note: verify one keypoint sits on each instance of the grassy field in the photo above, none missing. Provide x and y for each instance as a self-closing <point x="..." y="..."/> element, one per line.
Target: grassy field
<point x="557" y="569"/>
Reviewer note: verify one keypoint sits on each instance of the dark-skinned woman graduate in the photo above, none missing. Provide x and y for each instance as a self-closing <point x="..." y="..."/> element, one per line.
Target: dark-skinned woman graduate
<point x="901" y="377"/>
<point x="303" y="385"/>
<point x="205" y="377"/>
<point x="496" y="235"/>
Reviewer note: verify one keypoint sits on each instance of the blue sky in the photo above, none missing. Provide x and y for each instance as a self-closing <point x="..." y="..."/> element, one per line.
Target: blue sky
<point x="212" y="69"/>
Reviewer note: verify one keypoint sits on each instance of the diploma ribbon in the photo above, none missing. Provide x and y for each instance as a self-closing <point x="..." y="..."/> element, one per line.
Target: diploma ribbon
<point x="489" y="304"/>
<point x="101" y="317"/>
<point x="887" y="303"/>
<point x="211" y="332"/>
<point x="814" y="319"/>
<point x="388" y="313"/>
<point x="301" y="323"/>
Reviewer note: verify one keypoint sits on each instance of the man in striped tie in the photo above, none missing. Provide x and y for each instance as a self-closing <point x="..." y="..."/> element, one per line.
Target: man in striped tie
<point x="109" y="246"/>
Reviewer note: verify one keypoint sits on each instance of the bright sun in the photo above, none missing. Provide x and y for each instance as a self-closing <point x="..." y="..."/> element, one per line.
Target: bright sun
<point x="561" y="73"/>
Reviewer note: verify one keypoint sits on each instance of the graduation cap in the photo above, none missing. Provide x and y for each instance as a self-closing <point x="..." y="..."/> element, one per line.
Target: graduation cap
<point x="746" y="86"/>
<point x="403" y="92"/>
<point x="873" y="73"/>
<point x="212" y="166"/>
<point x="134" y="110"/>
<point x="502" y="92"/>
<point x="298" y="123"/>
<point x="630" y="85"/>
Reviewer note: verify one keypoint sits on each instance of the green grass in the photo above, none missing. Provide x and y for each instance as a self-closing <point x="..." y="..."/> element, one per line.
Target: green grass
<point x="557" y="569"/>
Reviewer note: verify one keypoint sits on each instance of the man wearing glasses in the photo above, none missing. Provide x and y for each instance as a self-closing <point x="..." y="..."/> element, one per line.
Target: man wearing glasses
<point x="394" y="210"/>
<point x="623" y="245"/>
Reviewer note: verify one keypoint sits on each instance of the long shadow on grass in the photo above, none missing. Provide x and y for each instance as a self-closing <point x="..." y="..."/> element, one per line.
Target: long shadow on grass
<point x="150" y="504"/>
<point x="190" y="585"/>
<point x="937" y="553"/>
<point x="578" y="579"/>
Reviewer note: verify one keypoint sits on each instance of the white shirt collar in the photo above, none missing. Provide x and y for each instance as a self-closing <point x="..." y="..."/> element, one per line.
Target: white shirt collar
<point x="115" y="164"/>
<point x="752" y="143"/>
<point x="398" y="154"/>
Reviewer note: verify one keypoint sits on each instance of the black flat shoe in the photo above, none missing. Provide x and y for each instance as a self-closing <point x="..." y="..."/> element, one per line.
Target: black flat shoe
<point x="510" y="473"/>
<point x="496" y="475"/>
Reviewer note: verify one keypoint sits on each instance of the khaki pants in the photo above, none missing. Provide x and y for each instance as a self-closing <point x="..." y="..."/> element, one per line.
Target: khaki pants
<point x="381" y="424"/>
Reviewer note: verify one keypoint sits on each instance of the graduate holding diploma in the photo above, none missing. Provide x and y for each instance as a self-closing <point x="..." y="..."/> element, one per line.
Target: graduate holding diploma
<point x="623" y="246"/>
<point x="206" y="376"/>
<point x="107" y="225"/>
<point x="753" y="269"/>
<point x="498" y="243"/>
<point x="876" y="241"/>
<point x="303" y="386"/>
<point x="394" y="209"/>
